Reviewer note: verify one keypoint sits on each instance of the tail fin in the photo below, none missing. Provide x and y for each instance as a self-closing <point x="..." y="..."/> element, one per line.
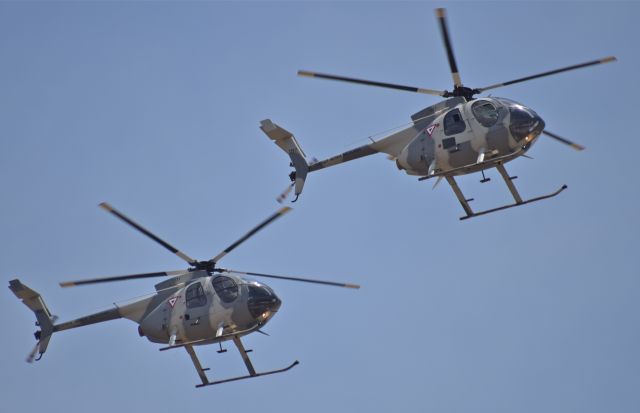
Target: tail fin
<point x="45" y="320"/>
<point x="285" y="140"/>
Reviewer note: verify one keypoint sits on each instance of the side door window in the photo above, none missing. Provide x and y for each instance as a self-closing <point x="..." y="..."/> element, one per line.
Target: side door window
<point x="453" y="122"/>
<point x="195" y="296"/>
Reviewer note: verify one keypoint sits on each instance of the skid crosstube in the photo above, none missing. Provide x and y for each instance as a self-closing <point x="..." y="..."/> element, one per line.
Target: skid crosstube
<point x="512" y="188"/>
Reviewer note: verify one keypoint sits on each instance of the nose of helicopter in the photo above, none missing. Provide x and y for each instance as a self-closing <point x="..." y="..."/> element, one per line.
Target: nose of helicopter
<point x="525" y="123"/>
<point x="276" y="303"/>
<point x="263" y="302"/>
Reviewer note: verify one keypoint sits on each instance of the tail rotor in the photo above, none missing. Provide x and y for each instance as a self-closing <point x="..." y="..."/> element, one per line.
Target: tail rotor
<point x="35" y="352"/>
<point x="283" y="196"/>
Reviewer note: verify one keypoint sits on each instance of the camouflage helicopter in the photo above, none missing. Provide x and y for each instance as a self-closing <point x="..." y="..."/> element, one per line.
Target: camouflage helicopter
<point x="458" y="136"/>
<point x="203" y="304"/>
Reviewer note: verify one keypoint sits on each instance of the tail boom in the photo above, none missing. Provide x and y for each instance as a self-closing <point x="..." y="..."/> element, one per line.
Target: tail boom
<point x="46" y="321"/>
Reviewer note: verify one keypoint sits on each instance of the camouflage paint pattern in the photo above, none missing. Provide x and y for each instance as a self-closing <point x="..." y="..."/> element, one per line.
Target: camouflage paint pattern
<point x="166" y="312"/>
<point x="419" y="149"/>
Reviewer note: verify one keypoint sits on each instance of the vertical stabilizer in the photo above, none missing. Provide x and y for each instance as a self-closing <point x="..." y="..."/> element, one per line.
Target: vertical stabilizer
<point x="45" y="320"/>
<point x="288" y="143"/>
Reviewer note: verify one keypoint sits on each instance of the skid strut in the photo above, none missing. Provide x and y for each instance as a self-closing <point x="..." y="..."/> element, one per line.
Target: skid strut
<point x="245" y="357"/>
<point x="512" y="188"/>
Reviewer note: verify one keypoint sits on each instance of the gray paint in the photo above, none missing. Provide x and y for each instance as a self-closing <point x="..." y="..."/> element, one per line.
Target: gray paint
<point x="437" y="108"/>
<point x="464" y="155"/>
<point x="498" y="139"/>
<point x="102" y="316"/>
<point x="347" y="156"/>
<point x="498" y="135"/>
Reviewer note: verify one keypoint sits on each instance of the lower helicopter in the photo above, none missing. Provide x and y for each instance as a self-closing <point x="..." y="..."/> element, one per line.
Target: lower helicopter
<point x="201" y="305"/>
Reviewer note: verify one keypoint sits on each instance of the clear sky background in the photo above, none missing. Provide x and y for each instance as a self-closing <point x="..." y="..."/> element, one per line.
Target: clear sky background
<point x="155" y="108"/>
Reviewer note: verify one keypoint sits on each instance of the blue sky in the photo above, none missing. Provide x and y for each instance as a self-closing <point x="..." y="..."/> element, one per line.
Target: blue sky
<point x="155" y="108"/>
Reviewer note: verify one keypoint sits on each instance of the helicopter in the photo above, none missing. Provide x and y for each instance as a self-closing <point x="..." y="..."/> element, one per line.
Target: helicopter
<point x="458" y="136"/>
<point x="203" y="304"/>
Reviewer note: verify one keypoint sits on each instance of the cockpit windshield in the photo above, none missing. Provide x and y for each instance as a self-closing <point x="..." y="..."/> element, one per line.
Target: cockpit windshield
<point x="261" y="300"/>
<point x="508" y="102"/>
<point x="524" y="122"/>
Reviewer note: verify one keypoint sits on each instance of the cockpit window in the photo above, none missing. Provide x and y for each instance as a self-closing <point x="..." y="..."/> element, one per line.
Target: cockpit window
<point x="195" y="296"/>
<point x="261" y="299"/>
<point x="507" y="102"/>
<point x="226" y="288"/>
<point x="485" y="113"/>
<point x="453" y="122"/>
<point x="523" y="122"/>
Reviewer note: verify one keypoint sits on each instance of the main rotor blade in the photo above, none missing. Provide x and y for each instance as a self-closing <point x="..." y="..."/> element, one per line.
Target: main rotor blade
<point x="441" y="14"/>
<point x="551" y="72"/>
<point x="307" y="280"/>
<point x="249" y="234"/>
<point x="563" y="140"/>
<point x="121" y="278"/>
<point x="371" y="83"/>
<point x="165" y="244"/>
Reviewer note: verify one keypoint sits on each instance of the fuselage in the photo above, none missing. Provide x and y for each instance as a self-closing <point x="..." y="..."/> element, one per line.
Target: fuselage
<point x="211" y="308"/>
<point x="467" y="133"/>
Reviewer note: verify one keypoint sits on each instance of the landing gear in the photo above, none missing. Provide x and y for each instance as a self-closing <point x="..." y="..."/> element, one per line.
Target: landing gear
<point x="512" y="188"/>
<point x="245" y="357"/>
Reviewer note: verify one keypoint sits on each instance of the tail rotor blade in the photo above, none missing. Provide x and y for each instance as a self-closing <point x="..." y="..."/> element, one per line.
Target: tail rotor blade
<point x="32" y="356"/>
<point x="121" y="278"/>
<point x="148" y="233"/>
<point x="563" y="140"/>
<point x="307" y="280"/>
<point x="281" y="198"/>
<point x="441" y="14"/>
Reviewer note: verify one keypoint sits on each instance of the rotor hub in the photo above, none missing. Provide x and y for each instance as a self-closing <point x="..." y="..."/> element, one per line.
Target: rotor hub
<point x="208" y="266"/>
<point x="461" y="91"/>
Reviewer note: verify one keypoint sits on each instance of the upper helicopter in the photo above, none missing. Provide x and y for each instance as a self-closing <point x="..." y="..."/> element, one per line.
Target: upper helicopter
<point x="203" y="304"/>
<point x="458" y="136"/>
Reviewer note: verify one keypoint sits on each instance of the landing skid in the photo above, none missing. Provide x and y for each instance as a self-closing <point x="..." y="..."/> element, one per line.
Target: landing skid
<point x="528" y="201"/>
<point x="245" y="357"/>
<point x="250" y="376"/>
<point x="512" y="188"/>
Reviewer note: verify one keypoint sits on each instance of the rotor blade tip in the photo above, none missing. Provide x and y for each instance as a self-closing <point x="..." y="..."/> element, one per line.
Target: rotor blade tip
<point x="67" y="284"/>
<point x="441" y="12"/>
<point x="354" y="286"/>
<point x="105" y="206"/>
<point x="608" y="59"/>
<point x="305" y="73"/>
